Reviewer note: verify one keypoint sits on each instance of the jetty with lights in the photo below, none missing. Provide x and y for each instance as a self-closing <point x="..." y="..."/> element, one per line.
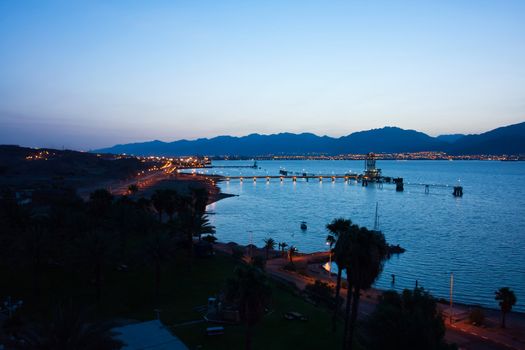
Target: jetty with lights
<point x="370" y="175"/>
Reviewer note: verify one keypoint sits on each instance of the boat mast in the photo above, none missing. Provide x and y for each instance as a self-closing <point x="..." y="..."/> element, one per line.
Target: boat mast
<point x="376" y="221"/>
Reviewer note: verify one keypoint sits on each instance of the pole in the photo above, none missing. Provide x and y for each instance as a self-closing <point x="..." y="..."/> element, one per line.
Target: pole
<point x="330" y="262"/>
<point x="451" y="294"/>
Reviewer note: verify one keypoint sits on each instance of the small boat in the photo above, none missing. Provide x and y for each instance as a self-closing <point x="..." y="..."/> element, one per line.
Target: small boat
<point x="303" y="225"/>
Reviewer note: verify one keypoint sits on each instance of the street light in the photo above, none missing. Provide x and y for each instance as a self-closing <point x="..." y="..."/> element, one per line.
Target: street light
<point x="451" y="291"/>
<point x="330" y="259"/>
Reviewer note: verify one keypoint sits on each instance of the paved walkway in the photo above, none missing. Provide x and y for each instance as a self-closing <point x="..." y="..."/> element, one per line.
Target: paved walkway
<point x="461" y="332"/>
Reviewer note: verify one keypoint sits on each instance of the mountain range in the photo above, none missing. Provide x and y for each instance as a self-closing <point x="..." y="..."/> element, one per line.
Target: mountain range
<point x="508" y="140"/>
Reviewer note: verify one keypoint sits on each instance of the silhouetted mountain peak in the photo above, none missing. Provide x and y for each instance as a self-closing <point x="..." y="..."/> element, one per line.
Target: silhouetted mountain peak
<point x="389" y="139"/>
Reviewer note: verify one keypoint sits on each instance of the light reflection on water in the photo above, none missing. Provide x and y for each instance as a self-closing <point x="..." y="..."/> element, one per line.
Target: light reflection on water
<point x="480" y="237"/>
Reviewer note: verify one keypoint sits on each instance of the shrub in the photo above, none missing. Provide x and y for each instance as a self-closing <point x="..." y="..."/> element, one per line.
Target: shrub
<point x="290" y="267"/>
<point x="476" y="316"/>
<point x="259" y="261"/>
<point x="209" y="239"/>
<point x="237" y="253"/>
<point x="320" y="292"/>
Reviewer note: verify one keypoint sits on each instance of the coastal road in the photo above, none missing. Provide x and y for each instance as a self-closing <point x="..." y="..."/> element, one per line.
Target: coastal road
<point x="468" y="341"/>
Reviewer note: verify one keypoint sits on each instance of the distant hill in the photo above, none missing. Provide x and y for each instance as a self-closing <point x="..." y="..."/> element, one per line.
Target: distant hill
<point x="32" y="168"/>
<point x="506" y="140"/>
<point x="451" y="138"/>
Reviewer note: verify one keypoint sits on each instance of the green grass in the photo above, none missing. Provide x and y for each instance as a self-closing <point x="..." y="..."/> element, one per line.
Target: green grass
<point x="131" y="295"/>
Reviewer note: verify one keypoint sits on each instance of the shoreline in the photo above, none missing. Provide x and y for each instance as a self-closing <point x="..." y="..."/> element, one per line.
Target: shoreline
<point x="183" y="182"/>
<point x="317" y="259"/>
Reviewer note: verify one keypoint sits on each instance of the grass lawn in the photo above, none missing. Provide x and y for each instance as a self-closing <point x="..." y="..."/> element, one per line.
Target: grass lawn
<point x="131" y="295"/>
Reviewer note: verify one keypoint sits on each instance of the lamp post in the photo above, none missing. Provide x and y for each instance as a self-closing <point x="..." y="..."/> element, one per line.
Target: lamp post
<point x="451" y="292"/>
<point x="330" y="259"/>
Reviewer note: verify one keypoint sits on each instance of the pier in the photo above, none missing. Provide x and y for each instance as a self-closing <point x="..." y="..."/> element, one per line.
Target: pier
<point x="294" y="178"/>
<point x="371" y="175"/>
<point x="254" y="166"/>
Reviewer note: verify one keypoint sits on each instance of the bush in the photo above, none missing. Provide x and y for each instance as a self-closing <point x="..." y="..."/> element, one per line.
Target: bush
<point x="209" y="239"/>
<point x="259" y="261"/>
<point x="476" y="316"/>
<point x="320" y="292"/>
<point x="237" y="253"/>
<point x="290" y="267"/>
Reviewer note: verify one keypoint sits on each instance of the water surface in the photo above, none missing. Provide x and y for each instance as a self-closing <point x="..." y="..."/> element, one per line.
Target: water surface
<point x="479" y="237"/>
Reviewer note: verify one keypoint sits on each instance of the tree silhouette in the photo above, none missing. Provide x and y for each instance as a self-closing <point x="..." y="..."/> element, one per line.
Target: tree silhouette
<point x="407" y="321"/>
<point x="366" y="256"/>
<point x="507" y="299"/>
<point x="269" y="244"/>
<point x="251" y="292"/>
<point x="337" y="228"/>
<point x="291" y="252"/>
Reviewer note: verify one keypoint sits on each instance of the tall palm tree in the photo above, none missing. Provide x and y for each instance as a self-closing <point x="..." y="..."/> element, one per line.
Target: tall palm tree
<point x="171" y="201"/>
<point x="337" y="228"/>
<point x="342" y="253"/>
<point x="291" y="252"/>
<point x="96" y="250"/>
<point x="367" y="256"/>
<point x="269" y="244"/>
<point x="203" y="226"/>
<point x="282" y="247"/>
<point x="159" y="200"/>
<point x="159" y="248"/>
<point x="252" y="293"/>
<point x="507" y="299"/>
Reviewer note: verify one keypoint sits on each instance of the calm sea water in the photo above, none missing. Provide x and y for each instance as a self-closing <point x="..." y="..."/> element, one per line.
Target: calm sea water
<point x="479" y="237"/>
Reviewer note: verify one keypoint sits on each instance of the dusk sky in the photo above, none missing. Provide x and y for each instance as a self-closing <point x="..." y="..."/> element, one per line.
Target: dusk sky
<point x="89" y="74"/>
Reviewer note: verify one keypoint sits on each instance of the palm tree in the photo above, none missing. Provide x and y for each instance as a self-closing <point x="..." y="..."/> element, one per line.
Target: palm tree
<point x="171" y="202"/>
<point x="282" y="247"/>
<point x="269" y="244"/>
<point x="507" y="299"/>
<point x="252" y="293"/>
<point x="366" y="258"/>
<point x="159" y="248"/>
<point x="203" y="226"/>
<point x="159" y="202"/>
<point x="291" y="252"/>
<point x="96" y="249"/>
<point x="337" y="228"/>
<point x="342" y="252"/>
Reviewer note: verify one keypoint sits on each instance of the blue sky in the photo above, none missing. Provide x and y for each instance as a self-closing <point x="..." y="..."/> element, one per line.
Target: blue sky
<point x="87" y="74"/>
